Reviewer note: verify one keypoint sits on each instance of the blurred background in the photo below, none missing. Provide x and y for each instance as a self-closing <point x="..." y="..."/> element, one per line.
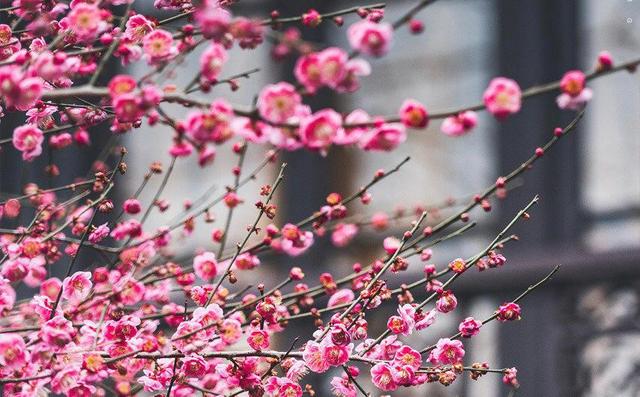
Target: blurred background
<point x="580" y="334"/>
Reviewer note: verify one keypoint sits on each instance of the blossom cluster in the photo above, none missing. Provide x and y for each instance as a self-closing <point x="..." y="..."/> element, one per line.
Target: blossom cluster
<point x="137" y="319"/>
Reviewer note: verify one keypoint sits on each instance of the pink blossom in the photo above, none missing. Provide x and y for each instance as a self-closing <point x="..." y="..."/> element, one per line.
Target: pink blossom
<point x="307" y="72"/>
<point x="391" y="244"/>
<point x="289" y="389"/>
<point x="211" y="62"/>
<point x="127" y="107"/>
<point x="424" y="320"/>
<point x="314" y="357"/>
<point x="57" y="332"/>
<point x="446" y="352"/>
<point x="15" y="270"/>
<point x="213" y="125"/>
<point x="605" y="61"/>
<point x="340" y="335"/>
<point x="336" y="354"/>
<point x="295" y="241"/>
<point x="82" y="390"/>
<point x="399" y="325"/>
<point x="574" y="93"/>
<point x="351" y="135"/>
<point x="42" y="116"/>
<point x="508" y="312"/>
<point x="341" y="386"/>
<point x="194" y="366"/>
<point x="343" y="234"/>
<point x="158" y="46"/>
<point x="230" y="331"/>
<point x="84" y="21"/>
<point x="132" y="292"/>
<point x="446" y="302"/>
<point x="77" y="286"/>
<point x="131" y="206"/>
<point x="311" y="18"/>
<point x="459" y="124"/>
<point x="510" y="377"/>
<point x="247" y="32"/>
<point x="370" y="38"/>
<point x="13" y="352"/>
<point x="121" y="84"/>
<point x="297" y="369"/>
<point x="130" y="227"/>
<point x="333" y="66"/>
<point x="28" y="139"/>
<point x="60" y="141"/>
<point x="51" y="287"/>
<point x="246" y="261"/>
<point x="384" y="138"/>
<point x="137" y="27"/>
<point x="382" y="377"/>
<point x="413" y="114"/>
<point x="99" y="234"/>
<point x="212" y="19"/>
<point x="408" y="356"/>
<point x="318" y="130"/>
<point x="341" y="297"/>
<point x="65" y="380"/>
<point x="7" y="295"/>
<point x="205" y="265"/>
<point x="503" y="97"/>
<point x="18" y="90"/>
<point x="355" y="68"/>
<point x="324" y="68"/>
<point x="258" y="340"/>
<point x="278" y="102"/>
<point x="469" y="327"/>
<point x="52" y="67"/>
<point x="8" y="44"/>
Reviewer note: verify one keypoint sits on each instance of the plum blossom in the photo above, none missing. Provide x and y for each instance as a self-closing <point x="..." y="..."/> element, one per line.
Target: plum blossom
<point x="446" y="302"/>
<point x="384" y="138"/>
<point x="278" y="102"/>
<point x="77" y="286"/>
<point x="85" y="21"/>
<point x="503" y="97"/>
<point x="158" y="46"/>
<point x="370" y="38"/>
<point x="205" y="265"/>
<point x="314" y="357"/>
<point x="343" y="234"/>
<point x="508" y="312"/>
<point x="446" y="352"/>
<point x="341" y="297"/>
<point x="258" y="340"/>
<point x="408" y="356"/>
<point x="214" y="21"/>
<point x="18" y="90"/>
<point x="8" y="44"/>
<point x="28" y="139"/>
<point x="137" y="27"/>
<point x="382" y="377"/>
<point x="211" y="62"/>
<point x="469" y="327"/>
<point x="13" y="351"/>
<point x="194" y="366"/>
<point x="295" y="241"/>
<point x="460" y="124"/>
<point x="328" y="67"/>
<point x="574" y="93"/>
<point x="318" y="130"/>
<point x="413" y="114"/>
